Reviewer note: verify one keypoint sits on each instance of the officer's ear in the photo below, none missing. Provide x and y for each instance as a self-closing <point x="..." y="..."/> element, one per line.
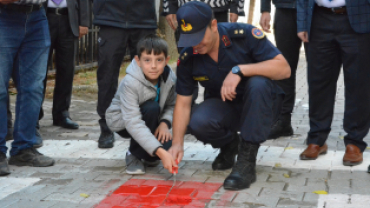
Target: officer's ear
<point x="214" y="25"/>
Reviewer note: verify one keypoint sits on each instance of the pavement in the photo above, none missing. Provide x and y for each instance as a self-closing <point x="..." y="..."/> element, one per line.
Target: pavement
<point x="86" y="176"/>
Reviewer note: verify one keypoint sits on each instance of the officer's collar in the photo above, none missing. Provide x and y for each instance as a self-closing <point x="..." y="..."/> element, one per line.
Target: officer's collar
<point x="225" y="40"/>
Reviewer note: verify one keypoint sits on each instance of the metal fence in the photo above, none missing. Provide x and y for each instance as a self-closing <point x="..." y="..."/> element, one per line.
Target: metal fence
<point x="87" y="49"/>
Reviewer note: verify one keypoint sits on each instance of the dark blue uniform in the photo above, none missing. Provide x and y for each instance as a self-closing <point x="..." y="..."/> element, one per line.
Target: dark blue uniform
<point x="258" y="99"/>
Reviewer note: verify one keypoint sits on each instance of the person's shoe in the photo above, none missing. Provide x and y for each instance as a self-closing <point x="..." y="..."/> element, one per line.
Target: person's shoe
<point x="9" y="135"/>
<point x="31" y="157"/>
<point x="66" y="122"/>
<point x="226" y="158"/>
<point x="134" y="165"/>
<point x="244" y="171"/>
<point x="4" y="169"/>
<point x="151" y="163"/>
<point x="281" y="128"/>
<point x="313" y="151"/>
<point x="353" y="156"/>
<point x="106" y="140"/>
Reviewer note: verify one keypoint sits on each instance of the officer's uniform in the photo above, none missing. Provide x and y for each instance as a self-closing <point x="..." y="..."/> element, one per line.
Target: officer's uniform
<point x="258" y="99"/>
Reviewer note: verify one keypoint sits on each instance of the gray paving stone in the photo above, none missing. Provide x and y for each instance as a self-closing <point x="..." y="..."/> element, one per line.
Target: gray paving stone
<point x="65" y="205"/>
<point x="7" y="202"/>
<point x="250" y="200"/>
<point x="28" y="204"/>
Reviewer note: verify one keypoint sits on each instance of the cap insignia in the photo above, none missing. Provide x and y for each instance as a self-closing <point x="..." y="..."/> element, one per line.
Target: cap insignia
<point x="186" y="27"/>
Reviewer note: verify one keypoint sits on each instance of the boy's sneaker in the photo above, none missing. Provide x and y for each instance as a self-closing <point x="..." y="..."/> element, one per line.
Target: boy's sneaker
<point x="4" y="169"/>
<point x="151" y="163"/>
<point x="134" y="165"/>
<point x="31" y="157"/>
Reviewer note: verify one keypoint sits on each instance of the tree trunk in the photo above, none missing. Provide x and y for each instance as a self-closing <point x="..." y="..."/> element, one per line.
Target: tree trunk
<point x="167" y="33"/>
<point x="251" y="11"/>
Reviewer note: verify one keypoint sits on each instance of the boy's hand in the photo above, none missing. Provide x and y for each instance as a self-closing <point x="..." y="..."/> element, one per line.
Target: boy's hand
<point x="162" y="133"/>
<point x="167" y="160"/>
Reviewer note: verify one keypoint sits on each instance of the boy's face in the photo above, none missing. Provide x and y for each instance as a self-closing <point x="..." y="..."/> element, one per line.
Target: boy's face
<point x="152" y="65"/>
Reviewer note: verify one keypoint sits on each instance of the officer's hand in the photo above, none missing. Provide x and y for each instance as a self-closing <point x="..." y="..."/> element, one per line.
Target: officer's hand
<point x="265" y="21"/>
<point x="303" y="36"/>
<point x="7" y="1"/>
<point x="162" y="133"/>
<point x="234" y="17"/>
<point x="167" y="160"/>
<point x="228" y="89"/>
<point x="172" y="21"/>
<point x="177" y="151"/>
<point x="83" y="31"/>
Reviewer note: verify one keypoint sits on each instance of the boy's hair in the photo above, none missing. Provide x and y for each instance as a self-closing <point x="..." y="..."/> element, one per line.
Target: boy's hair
<point x="152" y="43"/>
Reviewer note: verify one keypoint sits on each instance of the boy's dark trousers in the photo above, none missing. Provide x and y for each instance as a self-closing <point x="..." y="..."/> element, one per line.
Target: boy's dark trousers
<point x="150" y="111"/>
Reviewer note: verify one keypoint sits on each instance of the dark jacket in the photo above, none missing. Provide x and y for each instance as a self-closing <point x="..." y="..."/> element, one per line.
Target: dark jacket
<point x="125" y="14"/>
<point x="358" y="15"/>
<point x="286" y="4"/>
<point x="78" y="14"/>
<point x="235" y="6"/>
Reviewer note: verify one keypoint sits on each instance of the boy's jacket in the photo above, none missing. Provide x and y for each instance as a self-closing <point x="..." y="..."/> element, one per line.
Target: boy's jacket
<point x="134" y="90"/>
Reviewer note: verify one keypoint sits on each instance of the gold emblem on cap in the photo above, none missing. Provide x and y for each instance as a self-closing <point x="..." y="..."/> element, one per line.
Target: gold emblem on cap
<point x="185" y="54"/>
<point x="241" y="31"/>
<point x="186" y="27"/>
<point x="236" y="32"/>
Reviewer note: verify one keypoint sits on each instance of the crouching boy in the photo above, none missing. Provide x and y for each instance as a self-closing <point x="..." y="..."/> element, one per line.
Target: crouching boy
<point x="142" y="107"/>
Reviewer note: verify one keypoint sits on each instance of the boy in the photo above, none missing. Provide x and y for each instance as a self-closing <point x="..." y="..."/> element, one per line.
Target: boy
<point x="143" y="105"/>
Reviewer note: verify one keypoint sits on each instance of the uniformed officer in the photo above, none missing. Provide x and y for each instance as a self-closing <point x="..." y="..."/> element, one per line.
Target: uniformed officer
<point x="236" y="64"/>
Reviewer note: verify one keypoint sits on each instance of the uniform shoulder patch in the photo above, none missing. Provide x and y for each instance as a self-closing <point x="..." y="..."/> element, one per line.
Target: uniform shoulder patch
<point x="185" y="54"/>
<point x="257" y="33"/>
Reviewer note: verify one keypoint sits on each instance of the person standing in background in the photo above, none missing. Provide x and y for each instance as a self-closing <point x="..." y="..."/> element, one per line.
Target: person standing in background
<point x="285" y="31"/>
<point x="122" y="24"/>
<point x="24" y="48"/>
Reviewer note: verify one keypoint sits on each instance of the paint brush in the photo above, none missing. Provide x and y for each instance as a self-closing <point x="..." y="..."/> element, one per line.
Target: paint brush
<point x="174" y="171"/>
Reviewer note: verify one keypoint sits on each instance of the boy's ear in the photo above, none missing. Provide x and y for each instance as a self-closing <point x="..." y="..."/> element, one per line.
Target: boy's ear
<point x="168" y="59"/>
<point x="137" y="60"/>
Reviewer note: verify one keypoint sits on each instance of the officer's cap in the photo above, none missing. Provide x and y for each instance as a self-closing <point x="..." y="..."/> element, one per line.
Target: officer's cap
<point x="193" y="18"/>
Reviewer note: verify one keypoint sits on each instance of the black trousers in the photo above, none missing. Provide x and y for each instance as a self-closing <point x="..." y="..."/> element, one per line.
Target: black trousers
<point x="334" y="43"/>
<point x="113" y="43"/>
<point x="287" y="41"/>
<point x="215" y="121"/>
<point x="64" y="43"/>
<point x="150" y="112"/>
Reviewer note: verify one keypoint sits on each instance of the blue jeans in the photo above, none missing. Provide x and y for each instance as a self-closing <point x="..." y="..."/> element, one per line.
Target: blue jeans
<point x="24" y="49"/>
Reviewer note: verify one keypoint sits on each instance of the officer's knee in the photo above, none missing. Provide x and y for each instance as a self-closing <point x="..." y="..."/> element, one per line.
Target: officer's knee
<point x="258" y="84"/>
<point x="150" y="107"/>
<point x="198" y="125"/>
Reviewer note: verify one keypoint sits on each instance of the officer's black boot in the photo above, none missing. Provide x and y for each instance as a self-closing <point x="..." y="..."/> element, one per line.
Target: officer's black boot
<point x="244" y="171"/>
<point x="282" y="127"/>
<point x="226" y="158"/>
<point x="106" y="138"/>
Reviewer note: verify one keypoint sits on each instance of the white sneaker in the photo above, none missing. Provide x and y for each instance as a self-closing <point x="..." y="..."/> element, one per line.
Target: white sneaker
<point x="134" y="166"/>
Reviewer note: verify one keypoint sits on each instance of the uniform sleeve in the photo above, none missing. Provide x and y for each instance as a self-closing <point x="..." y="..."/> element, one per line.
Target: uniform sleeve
<point x="261" y="48"/>
<point x="185" y="82"/>
<point x="170" y="7"/>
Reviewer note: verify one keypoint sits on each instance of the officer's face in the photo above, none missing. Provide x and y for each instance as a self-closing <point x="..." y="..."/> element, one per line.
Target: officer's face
<point x="152" y="65"/>
<point x="209" y="40"/>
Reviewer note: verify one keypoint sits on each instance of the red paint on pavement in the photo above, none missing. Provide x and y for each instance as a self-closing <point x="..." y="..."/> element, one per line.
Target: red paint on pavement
<point x="152" y="193"/>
